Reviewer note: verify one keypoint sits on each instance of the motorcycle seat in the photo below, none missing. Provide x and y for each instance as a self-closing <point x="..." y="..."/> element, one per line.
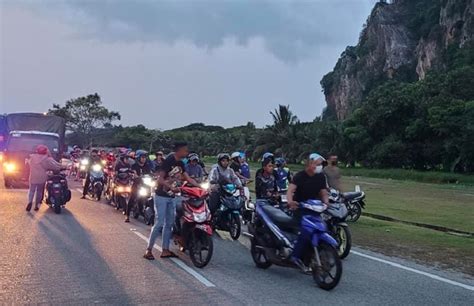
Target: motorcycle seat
<point x="351" y="195"/>
<point x="279" y="217"/>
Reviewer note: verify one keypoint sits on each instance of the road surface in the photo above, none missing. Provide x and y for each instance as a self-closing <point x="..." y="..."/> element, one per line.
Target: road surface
<point x="88" y="255"/>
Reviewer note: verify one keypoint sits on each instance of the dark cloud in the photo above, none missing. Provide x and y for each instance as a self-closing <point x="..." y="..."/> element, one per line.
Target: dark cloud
<point x="291" y="30"/>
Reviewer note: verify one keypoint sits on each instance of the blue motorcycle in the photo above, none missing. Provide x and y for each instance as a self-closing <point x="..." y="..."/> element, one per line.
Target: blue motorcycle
<point x="227" y="216"/>
<point x="274" y="235"/>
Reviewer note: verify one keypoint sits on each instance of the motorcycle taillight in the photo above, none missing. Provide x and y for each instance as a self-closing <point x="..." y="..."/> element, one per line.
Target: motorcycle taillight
<point x="50" y="182"/>
<point x="63" y="181"/>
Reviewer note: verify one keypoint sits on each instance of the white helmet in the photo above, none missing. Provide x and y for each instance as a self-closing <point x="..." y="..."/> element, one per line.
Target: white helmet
<point x="235" y="155"/>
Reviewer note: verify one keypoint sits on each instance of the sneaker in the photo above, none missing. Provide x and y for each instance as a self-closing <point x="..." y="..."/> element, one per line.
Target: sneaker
<point x="127" y="220"/>
<point x="83" y="197"/>
<point x="36" y="208"/>
<point x="28" y="207"/>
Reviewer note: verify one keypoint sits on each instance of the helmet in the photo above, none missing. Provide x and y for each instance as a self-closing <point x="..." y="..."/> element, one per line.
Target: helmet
<point x="222" y="156"/>
<point x="267" y="155"/>
<point x="131" y="154"/>
<point x="123" y="156"/>
<point x="193" y="156"/>
<point x="141" y="153"/>
<point x="235" y="155"/>
<point x="316" y="156"/>
<point x="280" y="161"/>
<point x="42" y="149"/>
<point x="123" y="150"/>
<point x="76" y="147"/>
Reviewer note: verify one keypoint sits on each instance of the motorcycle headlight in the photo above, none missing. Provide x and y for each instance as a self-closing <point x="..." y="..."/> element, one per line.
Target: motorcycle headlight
<point x="205" y="185"/>
<point x="120" y="189"/>
<point x="82" y="168"/>
<point x="96" y="168"/>
<point x="149" y="181"/>
<point x="143" y="192"/>
<point x="9" y="167"/>
<point x="84" y="162"/>
<point x="199" y="218"/>
<point x="104" y="162"/>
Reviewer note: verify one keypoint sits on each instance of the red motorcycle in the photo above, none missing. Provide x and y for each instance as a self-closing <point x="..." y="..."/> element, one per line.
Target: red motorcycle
<point x="193" y="231"/>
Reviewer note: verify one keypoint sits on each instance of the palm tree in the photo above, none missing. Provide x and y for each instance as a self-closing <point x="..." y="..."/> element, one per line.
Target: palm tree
<point x="283" y="118"/>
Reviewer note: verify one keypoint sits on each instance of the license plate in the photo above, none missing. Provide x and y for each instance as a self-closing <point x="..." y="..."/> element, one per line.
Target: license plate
<point x="284" y="198"/>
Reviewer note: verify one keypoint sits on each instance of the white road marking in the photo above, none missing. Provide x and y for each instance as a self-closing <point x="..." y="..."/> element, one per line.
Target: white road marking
<point x="180" y="264"/>
<point x="396" y="265"/>
<point x="79" y="190"/>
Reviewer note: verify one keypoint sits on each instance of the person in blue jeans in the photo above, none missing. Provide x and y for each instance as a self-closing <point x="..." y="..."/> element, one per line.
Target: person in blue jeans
<point x="171" y="173"/>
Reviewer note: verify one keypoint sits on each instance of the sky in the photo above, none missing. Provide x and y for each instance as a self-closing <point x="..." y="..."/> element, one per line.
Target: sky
<point x="166" y="64"/>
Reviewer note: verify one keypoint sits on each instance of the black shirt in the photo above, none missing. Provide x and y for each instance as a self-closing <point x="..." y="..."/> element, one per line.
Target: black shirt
<point x="235" y="166"/>
<point x="308" y="187"/>
<point x="141" y="170"/>
<point x="170" y="164"/>
<point x="265" y="184"/>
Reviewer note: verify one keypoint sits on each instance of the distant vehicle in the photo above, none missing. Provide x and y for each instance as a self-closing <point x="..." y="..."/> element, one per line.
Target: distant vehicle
<point x="3" y="134"/>
<point x="25" y="132"/>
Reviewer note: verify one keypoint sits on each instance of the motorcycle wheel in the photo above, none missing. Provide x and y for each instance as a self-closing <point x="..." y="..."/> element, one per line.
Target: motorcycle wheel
<point x="57" y="209"/>
<point x="344" y="240"/>
<point x="235" y="226"/>
<point x="200" y="241"/>
<point x="258" y="255"/>
<point x="355" y="210"/>
<point x="328" y="275"/>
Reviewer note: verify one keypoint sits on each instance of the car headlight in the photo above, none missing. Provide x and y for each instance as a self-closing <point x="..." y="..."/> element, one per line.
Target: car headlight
<point x="84" y="162"/>
<point x="9" y="167"/>
<point x="143" y="192"/>
<point x="205" y="185"/>
<point x="96" y="168"/>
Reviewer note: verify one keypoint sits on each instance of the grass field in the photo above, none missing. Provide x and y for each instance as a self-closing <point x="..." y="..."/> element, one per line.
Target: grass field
<point x="447" y="205"/>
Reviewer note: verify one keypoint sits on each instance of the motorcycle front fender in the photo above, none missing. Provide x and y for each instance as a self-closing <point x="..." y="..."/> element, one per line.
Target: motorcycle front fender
<point x="205" y="228"/>
<point x="318" y="237"/>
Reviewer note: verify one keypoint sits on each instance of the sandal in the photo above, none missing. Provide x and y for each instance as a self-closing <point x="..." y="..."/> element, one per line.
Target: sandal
<point x="148" y="255"/>
<point x="168" y="254"/>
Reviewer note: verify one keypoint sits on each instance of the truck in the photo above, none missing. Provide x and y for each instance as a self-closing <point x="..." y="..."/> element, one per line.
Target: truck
<point x="25" y="131"/>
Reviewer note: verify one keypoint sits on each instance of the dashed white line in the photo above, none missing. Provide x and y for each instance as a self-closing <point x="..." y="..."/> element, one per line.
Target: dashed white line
<point x="432" y="276"/>
<point x="181" y="264"/>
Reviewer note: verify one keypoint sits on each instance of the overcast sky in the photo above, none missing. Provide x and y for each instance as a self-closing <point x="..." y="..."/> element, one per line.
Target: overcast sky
<point x="166" y="64"/>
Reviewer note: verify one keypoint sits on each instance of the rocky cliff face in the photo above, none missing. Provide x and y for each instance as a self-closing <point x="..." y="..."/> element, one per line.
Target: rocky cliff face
<point x="403" y="39"/>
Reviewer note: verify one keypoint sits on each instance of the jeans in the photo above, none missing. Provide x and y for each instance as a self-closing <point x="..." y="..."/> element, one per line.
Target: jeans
<point x="39" y="190"/>
<point x="165" y="211"/>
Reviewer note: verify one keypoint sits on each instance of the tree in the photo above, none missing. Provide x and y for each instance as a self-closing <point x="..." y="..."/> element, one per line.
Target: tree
<point x="83" y="115"/>
<point x="283" y="118"/>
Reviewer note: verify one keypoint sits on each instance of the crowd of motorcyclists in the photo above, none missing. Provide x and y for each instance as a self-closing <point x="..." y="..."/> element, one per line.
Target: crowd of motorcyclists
<point x="225" y="185"/>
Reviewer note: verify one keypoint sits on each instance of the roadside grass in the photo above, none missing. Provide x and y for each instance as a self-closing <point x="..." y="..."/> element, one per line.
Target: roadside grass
<point x="419" y="244"/>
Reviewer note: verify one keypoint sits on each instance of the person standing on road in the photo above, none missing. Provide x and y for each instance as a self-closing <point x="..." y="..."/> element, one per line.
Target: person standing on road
<point x="333" y="173"/>
<point x="39" y="162"/>
<point x="171" y="173"/>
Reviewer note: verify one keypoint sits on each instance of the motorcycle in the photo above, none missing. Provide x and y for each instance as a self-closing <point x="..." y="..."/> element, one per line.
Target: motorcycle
<point x="122" y="188"/>
<point x="335" y="217"/>
<point x="57" y="191"/>
<point x="274" y="235"/>
<point x="193" y="231"/>
<point x="354" y="202"/>
<point x="109" y="183"/>
<point x="97" y="179"/>
<point x="82" y="166"/>
<point x="227" y="216"/>
<point x="144" y="205"/>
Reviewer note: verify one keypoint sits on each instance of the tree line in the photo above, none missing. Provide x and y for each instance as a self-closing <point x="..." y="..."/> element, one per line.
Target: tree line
<point x="424" y="125"/>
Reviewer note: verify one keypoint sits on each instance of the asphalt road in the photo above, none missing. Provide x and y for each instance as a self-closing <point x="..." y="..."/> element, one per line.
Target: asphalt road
<point x="88" y="255"/>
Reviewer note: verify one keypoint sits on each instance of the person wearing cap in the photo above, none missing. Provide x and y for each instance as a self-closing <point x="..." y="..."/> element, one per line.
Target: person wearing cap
<point x="309" y="184"/>
<point x="39" y="162"/>
<point x="193" y="168"/>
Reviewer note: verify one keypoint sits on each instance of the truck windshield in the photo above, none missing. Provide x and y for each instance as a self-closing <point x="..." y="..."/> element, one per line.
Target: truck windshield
<point x="29" y="142"/>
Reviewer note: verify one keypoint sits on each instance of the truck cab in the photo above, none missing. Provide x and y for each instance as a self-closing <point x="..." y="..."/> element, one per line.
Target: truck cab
<point x="19" y="146"/>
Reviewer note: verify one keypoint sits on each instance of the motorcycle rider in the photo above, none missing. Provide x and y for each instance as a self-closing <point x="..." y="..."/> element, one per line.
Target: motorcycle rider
<point x="94" y="158"/>
<point x="236" y="166"/>
<point x="333" y="173"/>
<point x="158" y="161"/>
<point x="171" y="172"/>
<point x="244" y="167"/>
<point x="219" y="175"/>
<point x="193" y="168"/>
<point x="283" y="174"/>
<point x="266" y="182"/>
<point x="309" y="184"/>
<point x="269" y="156"/>
<point x="140" y="168"/>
